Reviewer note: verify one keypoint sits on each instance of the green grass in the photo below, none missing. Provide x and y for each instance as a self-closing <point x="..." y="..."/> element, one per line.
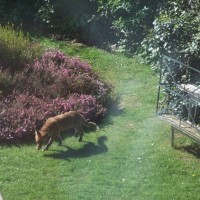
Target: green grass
<point x="129" y="158"/>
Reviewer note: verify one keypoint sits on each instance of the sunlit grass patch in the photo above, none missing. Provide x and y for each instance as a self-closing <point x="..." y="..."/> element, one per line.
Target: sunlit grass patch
<point x="128" y="158"/>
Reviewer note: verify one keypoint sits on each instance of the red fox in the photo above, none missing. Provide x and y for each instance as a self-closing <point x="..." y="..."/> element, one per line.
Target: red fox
<point x="54" y="125"/>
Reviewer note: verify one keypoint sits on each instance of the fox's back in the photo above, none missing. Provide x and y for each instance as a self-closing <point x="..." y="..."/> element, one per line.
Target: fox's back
<point x="62" y="122"/>
<point x="68" y="120"/>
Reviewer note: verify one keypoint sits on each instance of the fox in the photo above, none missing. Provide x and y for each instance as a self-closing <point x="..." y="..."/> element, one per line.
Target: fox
<point x="54" y="125"/>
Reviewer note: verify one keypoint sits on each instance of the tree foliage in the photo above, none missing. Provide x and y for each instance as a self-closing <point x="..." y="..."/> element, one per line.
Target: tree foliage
<point x="130" y="20"/>
<point x="175" y="32"/>
<point x="149" y="28"/>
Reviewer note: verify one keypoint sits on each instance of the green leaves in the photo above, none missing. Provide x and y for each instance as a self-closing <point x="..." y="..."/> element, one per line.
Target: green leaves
<point x="16" y="50"/>
<point x="174" y="31"/>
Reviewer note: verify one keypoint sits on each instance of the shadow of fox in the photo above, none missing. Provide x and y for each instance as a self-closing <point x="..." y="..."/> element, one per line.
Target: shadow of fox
<point x="88" y="149"/>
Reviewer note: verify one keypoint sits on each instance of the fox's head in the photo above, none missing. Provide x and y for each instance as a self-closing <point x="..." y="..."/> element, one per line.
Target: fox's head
<point x="38" y="139"/>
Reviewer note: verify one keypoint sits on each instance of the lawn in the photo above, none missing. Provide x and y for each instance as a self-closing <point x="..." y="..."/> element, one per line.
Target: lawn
<point x="128" y="158"/>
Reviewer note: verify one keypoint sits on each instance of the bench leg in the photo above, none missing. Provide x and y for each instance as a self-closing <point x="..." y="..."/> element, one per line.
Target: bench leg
<point x="172" y="136"/>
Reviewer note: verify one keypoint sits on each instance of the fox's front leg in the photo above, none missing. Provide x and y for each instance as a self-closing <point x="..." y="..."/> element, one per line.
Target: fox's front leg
<point x="48" y="144"/>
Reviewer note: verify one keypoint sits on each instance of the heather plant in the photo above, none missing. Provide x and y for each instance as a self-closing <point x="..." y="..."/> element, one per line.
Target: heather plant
<point x="53" y="84"/>
<point x="57" y="74"/>
<point x="22" y="113"/>
<point x="87" y="105"/>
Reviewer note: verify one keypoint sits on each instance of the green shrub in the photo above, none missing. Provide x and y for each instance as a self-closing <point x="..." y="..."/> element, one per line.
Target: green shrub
<point x="73" y="19"/>
<point x="175" y="33"/>
<point x="130" y="21"/>
<point x="16" y="50"/>
<point x="5" y="83"/>
<point x="18" y="11"/>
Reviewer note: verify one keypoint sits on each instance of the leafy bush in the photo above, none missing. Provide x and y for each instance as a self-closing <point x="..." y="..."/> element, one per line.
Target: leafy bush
<point x="70" y="18"/>
<point x="130" y="21"/>
<point x="54" y="84"/>
<point x="16" y="50"/>
<point x="161" y="25"/>
<point x="18" y="11"/>
<point x="5" y="83"/>
<point x="123" y="23"/>
<point x="175" y="33"/>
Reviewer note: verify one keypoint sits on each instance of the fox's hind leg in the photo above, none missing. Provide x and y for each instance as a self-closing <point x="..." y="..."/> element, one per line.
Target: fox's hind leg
<point x="59" y="140"/>
<point x="80" y="131"/>
<point x="76" y="133"/>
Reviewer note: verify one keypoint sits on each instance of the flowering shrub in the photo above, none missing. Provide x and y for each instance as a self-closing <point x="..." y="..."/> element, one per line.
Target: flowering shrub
<point x="87" y="105"/>
<point x="22" y="113"/>
<point x="50" y="86"/>
<point x="59" y="75"/>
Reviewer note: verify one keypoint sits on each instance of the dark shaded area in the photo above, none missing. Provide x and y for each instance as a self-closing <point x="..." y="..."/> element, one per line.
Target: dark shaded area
<point x="88" y="149"/>
<point x="17" y="142"/>
<point x="193" y="149"/>
<point x="113" y="110"/>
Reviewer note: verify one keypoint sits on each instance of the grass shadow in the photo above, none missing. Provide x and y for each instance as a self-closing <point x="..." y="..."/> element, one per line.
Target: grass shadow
<point x="113" y="110"/>
<point x="88" y="149"/>
<point x="193" y="149"/>
<point x="17" y="142"/>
